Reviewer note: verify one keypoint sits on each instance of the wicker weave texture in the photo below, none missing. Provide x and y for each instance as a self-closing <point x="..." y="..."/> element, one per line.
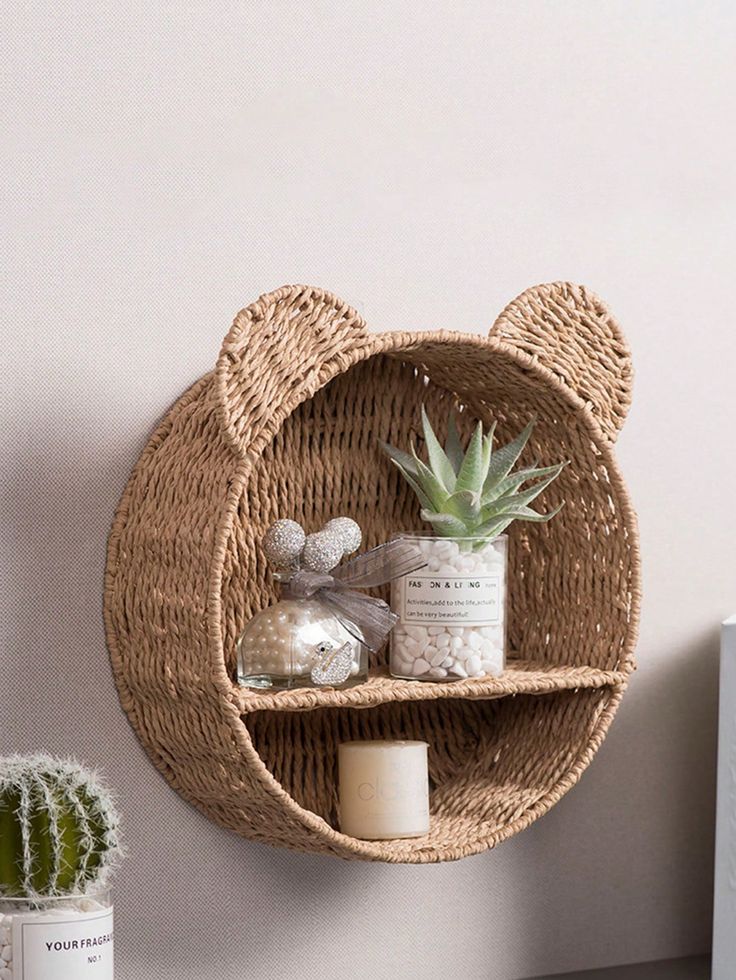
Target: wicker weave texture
<point x="287" y="426"/>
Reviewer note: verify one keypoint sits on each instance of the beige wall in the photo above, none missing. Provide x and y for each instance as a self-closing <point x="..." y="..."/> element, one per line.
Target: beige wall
<point x="163" y="165"/>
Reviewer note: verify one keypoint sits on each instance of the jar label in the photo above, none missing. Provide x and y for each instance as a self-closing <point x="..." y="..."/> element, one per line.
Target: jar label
<point x="451" y="600"/>
<point x="67" y="945"/>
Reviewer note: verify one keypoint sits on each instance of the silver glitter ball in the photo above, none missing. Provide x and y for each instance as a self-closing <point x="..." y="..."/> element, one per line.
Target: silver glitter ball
<point x="348" y="531"/>
<point x="322" y="551"/>
<point x="283" y="543"/>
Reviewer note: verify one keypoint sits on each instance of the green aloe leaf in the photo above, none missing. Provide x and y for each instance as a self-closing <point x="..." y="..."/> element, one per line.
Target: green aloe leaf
<point x="513" y="481"/>
<point x="433" y="488"/>
<point x="519" y="499"/>
<point x="421" y="495"/>
<point x="465" y="505"/>
<point x="438" y="461"/>
<point x="446" y="525"/>
<point x="527" y="514"/>
<point x="402" y="459"/>
<point x="488" y="450"/>
<point x="453" y="446"/>
<point x="474" y="492"/>
<point x="505" y="457"/>
<point x="493" y="527"/>
<point x="471" y="472"/>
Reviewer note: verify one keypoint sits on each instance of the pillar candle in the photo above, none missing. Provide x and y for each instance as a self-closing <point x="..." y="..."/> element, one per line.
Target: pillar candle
<point x="384" y="792"/>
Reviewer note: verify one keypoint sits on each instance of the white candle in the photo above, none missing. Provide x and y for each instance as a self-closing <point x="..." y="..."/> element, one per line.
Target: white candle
<point x="384" y="791"/>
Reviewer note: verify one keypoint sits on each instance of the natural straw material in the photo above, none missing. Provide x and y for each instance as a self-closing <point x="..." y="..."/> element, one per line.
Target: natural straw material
<point x="288" y="426"/>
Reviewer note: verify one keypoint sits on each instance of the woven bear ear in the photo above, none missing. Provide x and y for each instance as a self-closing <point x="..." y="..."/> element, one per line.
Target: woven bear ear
<point x="568" y="330"/>
<point x="278" y="353"/>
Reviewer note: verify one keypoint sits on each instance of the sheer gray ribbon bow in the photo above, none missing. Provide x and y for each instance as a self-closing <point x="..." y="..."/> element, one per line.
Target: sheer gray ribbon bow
<point x="366" y="618"/>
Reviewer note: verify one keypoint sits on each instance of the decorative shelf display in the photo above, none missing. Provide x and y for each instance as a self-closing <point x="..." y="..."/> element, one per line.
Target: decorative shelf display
<point x="288" y="424"/>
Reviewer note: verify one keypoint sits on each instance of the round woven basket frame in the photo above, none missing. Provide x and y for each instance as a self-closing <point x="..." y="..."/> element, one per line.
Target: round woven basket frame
<point x="288" y="426"/>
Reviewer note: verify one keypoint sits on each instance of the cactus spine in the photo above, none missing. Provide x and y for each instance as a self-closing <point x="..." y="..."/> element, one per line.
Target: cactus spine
<point x="58" y="828"/>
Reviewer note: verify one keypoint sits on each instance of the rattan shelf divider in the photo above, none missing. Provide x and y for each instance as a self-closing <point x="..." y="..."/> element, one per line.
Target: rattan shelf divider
<point x="520" y="677"/>
<point x="287" y="426"/>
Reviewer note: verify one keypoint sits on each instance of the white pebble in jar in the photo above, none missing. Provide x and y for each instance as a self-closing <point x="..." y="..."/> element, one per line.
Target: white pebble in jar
<point x="452" y="612"/>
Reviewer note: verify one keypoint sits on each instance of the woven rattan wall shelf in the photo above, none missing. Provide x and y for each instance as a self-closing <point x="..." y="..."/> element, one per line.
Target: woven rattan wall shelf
<point x="287" y="425"/>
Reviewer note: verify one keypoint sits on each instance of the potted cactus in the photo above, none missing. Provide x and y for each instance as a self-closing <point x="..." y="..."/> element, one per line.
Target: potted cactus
<point x="58" y="846"/>
<point x="452" y="614"/>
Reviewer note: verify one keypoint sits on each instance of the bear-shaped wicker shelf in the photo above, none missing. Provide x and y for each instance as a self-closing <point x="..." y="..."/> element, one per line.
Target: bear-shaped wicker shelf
<point x="288" y="426"/>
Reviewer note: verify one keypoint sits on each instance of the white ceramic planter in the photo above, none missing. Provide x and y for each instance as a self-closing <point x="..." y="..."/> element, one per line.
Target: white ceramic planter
<point x="68" y="938"/>
<point x="724" y="905"/>
<point x="452" y="613"/>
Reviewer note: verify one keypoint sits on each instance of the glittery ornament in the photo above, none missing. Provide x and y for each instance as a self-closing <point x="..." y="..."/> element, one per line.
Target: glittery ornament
<point x="348" y="531"/>
<point x="322" y="551"/>
<point x="333" y="667"/>
<point x="283" y="543"/>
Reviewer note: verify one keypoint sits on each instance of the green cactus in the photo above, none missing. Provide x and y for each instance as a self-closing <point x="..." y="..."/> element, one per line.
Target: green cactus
<point x="58" y="828"/>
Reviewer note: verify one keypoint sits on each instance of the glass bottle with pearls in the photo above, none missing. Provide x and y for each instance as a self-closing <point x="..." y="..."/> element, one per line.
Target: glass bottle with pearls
<point x="299" y="642"/>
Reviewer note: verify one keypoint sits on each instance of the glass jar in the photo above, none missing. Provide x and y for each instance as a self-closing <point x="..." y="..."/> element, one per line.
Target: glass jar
<point x="452" y="613"/>
<point x="64" y="938"/>
<point x="299" y="643"/>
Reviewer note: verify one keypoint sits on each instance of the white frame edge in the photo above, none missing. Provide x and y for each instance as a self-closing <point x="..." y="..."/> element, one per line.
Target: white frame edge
<point x="724" y="898"/>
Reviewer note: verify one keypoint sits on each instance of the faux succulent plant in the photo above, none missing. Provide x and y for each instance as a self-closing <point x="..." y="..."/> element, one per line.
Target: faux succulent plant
<point x="58" y="828"/>
<point x="473" y="492"/>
